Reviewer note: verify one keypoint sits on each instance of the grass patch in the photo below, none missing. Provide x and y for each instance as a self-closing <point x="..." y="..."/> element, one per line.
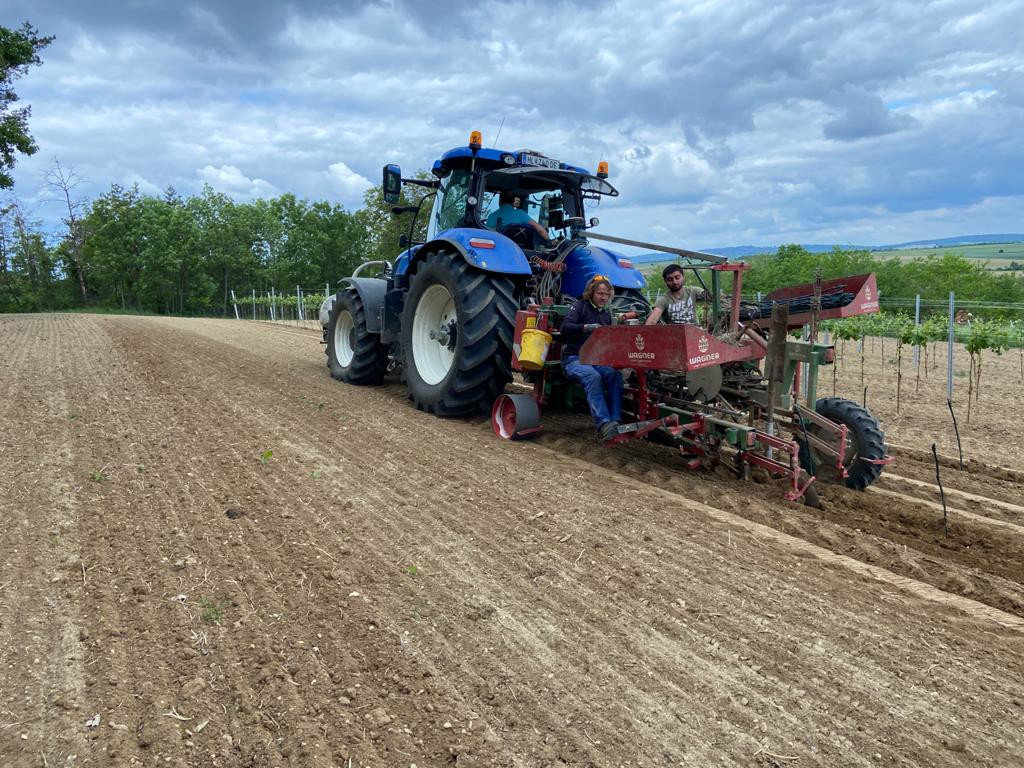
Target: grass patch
<point x="212" y="613"/>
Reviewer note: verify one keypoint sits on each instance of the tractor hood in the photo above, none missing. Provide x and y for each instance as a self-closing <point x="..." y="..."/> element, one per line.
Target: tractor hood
<point x="588" y="260"/>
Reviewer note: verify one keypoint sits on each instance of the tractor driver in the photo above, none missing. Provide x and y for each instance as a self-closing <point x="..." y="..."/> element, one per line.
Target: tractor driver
<point x="509" y="214"/>
<point x="679" y="304"/>
<point x="602" y="384"/>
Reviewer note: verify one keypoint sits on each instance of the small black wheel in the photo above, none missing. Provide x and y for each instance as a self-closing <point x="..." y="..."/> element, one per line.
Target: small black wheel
<point x="864" y="440"/>
<point x="457" y="330"/>
<point x="354" y="355"/>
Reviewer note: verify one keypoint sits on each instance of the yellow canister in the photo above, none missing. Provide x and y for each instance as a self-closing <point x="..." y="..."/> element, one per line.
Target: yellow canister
<point x="534" y="349"/>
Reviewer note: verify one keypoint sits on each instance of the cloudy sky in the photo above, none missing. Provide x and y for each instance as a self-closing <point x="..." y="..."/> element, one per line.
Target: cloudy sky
<point x="725" y="123"/>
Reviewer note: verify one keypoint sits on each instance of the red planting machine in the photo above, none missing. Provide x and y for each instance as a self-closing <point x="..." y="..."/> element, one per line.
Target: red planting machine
<point x="735" y="389"/>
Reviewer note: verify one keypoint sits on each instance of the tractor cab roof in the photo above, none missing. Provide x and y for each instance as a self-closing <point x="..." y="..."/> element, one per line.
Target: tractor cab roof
<point x="462" y="157"/>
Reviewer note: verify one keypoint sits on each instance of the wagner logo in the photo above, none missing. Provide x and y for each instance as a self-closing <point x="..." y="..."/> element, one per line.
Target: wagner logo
<point x="638" y="340"/>
<point x="702" y="344"/>
<point x="701" y="359"/>
<point x="867" y="292"/>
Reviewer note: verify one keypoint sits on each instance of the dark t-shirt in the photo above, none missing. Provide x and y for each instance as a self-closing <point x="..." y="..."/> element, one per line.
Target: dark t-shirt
<point x="581" y="313"/>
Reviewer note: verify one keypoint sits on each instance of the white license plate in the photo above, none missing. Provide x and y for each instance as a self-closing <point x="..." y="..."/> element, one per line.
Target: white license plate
<point x="544" y="162"/>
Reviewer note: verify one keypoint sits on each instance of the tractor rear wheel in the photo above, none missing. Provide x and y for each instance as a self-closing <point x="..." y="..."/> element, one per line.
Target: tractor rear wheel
<point x="457" y="330"/>
<point x="864" y="440"/>
<point x="354" y="355"/>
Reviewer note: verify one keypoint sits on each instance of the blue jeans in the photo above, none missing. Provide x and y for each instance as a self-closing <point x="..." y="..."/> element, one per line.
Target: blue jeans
<point x="603" y="386"/>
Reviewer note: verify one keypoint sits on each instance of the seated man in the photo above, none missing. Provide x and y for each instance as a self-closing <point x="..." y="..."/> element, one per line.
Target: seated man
<point x="508" y="214"/>
<point x="603" y="385"/>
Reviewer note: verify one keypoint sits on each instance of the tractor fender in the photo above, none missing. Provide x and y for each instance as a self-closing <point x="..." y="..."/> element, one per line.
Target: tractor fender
<point x="588" y="260"/>
<point x="371" y="291"/>
<point x="504" y="257"/>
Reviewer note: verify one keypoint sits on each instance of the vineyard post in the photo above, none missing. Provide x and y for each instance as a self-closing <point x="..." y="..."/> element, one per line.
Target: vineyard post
<point x="253" y="303"/>
<point x="805" y="367"/>
<point x="234" y="303"/>
<point x="298" y="302"/>
<point x="273" y="309"/>
<point x="834" y="364"/>
<point x="949" y="348"/>
<point x="917" y="322"/>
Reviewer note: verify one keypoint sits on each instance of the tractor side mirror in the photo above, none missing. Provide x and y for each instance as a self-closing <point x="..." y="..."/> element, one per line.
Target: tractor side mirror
<point x="392" y="183"/>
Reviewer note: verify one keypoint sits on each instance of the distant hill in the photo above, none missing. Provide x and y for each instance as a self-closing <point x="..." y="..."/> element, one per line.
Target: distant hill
<point x="959" y="240"/>
<point x="743" y="251"/>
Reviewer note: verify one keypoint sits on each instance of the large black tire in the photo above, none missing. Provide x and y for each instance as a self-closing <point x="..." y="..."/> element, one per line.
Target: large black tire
<point x="354" y="355"/>
<point x="471" y="315"/>
<point x="864" y="438"/>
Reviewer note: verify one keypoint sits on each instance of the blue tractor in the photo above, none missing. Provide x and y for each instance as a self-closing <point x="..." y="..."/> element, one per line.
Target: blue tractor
<point x="445" y="309"/>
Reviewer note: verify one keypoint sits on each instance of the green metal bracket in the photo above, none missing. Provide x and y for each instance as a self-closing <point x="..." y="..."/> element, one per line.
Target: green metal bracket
<point x="716" y="297"/>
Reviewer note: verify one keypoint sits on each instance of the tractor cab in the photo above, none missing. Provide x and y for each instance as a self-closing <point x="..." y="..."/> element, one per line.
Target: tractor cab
<point x="472" y="183"/>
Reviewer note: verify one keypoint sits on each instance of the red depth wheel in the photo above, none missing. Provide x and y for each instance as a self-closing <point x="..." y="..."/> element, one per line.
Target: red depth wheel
<point x="515" y="416"/>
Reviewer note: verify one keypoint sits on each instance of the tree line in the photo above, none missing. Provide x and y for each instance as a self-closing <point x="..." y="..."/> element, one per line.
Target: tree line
<point x="170" y="254"/>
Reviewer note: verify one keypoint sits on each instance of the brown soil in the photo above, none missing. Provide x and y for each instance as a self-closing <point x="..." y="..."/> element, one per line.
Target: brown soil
<point x="390" y="589"/>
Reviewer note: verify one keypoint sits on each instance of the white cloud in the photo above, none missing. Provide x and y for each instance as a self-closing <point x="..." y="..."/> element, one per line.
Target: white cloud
<point x="231" y="181"/>
<point x="350" y="184"/>
<point x="722" y="121"/>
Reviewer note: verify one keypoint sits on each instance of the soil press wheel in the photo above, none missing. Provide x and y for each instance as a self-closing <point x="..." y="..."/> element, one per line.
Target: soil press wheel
<point x="457" y="330"/>
<point x="864" y="439"/>
<point x="354" y="355"/>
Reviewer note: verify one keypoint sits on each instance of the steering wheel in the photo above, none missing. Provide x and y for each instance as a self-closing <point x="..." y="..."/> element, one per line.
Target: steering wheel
<point x="522" y="235"/>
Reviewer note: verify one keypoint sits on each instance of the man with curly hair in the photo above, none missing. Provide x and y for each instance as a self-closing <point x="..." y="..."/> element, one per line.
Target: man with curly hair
<point x="602" y="384"/>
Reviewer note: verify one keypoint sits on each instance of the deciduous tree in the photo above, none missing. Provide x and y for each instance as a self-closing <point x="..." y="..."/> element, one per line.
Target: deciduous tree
<point x="19" y="49"/>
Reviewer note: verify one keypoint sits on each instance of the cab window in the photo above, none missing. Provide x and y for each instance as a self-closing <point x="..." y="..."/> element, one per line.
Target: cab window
<point x="450" y="208"/>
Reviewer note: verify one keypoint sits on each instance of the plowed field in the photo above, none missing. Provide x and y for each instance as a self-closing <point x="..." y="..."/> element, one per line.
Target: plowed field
<point x="212" y="554"/>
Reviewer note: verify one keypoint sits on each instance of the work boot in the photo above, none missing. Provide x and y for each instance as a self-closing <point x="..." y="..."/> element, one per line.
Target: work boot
<point x="608" y="430"/>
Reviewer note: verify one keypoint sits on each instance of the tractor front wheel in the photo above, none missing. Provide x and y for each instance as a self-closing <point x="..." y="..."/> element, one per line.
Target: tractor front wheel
<point x="354" y="355"/>
<point x="865" y="441"/>
<point x="457" y="330"/>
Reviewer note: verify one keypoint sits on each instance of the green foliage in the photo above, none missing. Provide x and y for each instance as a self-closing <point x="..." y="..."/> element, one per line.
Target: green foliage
<point x="19" y="50"/>
<point x="986" y="334"/>
<point x="993" y="334"/>
<point x="172" y="255"/>
<point x="212" y="613"/>
<point x="266" y="456"/>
